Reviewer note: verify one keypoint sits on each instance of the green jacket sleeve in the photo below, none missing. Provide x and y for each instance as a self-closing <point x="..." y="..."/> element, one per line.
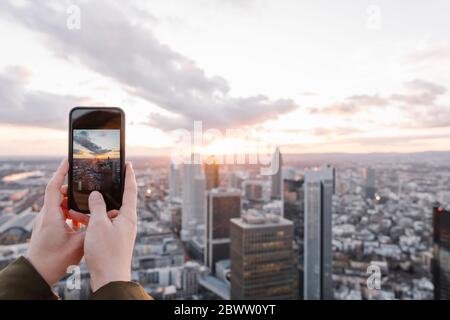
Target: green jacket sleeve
<point x="121" y="290"/>
<point x="20" y="281"/>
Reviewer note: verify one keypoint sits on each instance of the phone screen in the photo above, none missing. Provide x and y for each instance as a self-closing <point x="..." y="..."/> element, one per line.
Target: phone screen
<point x="96" y="156"/>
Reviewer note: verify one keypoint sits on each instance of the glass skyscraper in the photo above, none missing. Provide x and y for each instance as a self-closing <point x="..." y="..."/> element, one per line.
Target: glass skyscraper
<point x="263" y="265"/>
<point x="319" y="188"/>
<point x="221" y="206"/>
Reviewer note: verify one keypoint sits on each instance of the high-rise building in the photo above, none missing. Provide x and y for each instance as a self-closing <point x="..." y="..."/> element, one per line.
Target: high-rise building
<point x="235" y="180"/>
<point x="256" y="190"/>
<point x="293" y="210"/>
<point x="193" y="195"/>
<point x="319" y="189"/>
<point x="277" y="178"/>
<point x="211" y="173"/>
<point x="191" y="272"/>
<point x="174" y="182"/>
<point x="107" y="178"/>
<point x="262" y="258"/>
<point x="370" y="188"/>
<point x="221" y="206"/>
<point x="441" y="252"/>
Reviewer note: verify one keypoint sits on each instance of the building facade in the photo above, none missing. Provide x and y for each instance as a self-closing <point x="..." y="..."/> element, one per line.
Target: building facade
<point x="221" y="206"/>
<point x="262" y="259"/>
<point x="193" y="196"/>
<point x="211" y="173"/>
<point x="319" y="189"/>
<point x="277" y="177"/>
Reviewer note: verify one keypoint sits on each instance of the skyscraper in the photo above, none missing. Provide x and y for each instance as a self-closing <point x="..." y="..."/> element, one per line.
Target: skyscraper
<point x="293" y="210"/>
<point x="174" y="181"/>
<point x="211" y="173"/>
<point x="441" y="252"/>
<point x="256" y="190"/>
<point x="191" y="272"/>
<point x="319" y="188"/>
<point x="193" y="195"/>
<point x="277" y="177"/>
<point x="235" y="179"/>
<point x="262" y="258"/>
<point x="370" y="188"/>
<point x="221" y="206"/>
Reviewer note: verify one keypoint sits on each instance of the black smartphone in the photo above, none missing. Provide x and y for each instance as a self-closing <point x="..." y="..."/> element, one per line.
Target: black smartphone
<point x="96" y="156"/>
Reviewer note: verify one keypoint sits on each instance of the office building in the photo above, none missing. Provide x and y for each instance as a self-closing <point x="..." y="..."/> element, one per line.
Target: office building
<point x="174" y="182"/>
<point x="277" y="177"/>
<point x="293" y="210"/>
<point x="235" y="180"/>
<point x="190" y="274"/>
<point x="221" y="206"/>
<point x="193" y="195"/>
<point x="256" y="190"/>
<point x="441" y="252"/>
<point x="262" y="258"/>
<point x="370" y="187"/>
<point x="319" y="189"/>
<point x="211" y="173"/>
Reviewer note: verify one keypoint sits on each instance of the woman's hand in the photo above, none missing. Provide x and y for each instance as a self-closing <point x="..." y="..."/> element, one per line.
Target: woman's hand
<point x="55" y="245"/>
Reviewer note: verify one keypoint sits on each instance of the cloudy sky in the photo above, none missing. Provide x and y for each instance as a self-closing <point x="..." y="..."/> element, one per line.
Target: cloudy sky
<point x="98" y="143"/>
<point x="321" y="76"/>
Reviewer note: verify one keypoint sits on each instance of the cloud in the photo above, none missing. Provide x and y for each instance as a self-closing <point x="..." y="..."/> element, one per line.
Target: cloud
<point x="426" y="86"/>
<point x="84" y="140"/>
<point x="397" y="139"/>
<point x="420" y="93"/>
<point x="113" y="44"/>
<point x="418" y="103"/>
<point x="338" y="131"/>
<point x="21" y="106"/>
<point x="431" y="54"/>
<point x="352" y="104"/>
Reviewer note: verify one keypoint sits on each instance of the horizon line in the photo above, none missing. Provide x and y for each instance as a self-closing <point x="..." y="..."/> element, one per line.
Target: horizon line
<point x="137" y="156"/>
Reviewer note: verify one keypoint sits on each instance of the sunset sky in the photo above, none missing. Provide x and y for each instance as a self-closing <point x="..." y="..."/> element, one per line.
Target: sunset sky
<point x="96" y="144"/>
<point x="321" y="76"/>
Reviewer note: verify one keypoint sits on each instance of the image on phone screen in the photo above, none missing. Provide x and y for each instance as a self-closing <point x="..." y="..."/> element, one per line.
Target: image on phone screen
<point x="96" y="157"/>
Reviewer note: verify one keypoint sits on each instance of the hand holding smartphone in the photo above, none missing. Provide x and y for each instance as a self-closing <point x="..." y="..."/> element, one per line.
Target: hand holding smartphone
<point x="96" y="156"/>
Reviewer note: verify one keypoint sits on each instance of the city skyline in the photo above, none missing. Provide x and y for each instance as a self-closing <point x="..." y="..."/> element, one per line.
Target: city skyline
<point x="392" y="231"/>
<point x="365" y="83"/>
<point x="275" y="150"/>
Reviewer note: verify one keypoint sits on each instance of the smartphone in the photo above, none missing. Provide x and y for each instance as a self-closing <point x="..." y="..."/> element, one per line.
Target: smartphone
<point x="96" y="156"/>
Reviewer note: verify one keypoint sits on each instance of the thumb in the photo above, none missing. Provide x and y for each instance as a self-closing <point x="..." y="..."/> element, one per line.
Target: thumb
<point x="97" y="207"/>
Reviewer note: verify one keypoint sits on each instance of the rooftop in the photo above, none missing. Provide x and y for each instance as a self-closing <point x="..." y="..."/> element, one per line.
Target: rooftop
<point x="261" y="220"/>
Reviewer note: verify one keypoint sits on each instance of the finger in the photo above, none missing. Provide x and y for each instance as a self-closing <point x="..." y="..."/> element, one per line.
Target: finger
<point x="78" y="217"/>
<point x="113" y="214"/>
<point x="97" y="207"/>
<point x="63" y="190"/>
<point x="64" y="200"/>
<point x="128" y="209"/>
<point x="52" y="191"/>
<point x="63" y="196"/>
